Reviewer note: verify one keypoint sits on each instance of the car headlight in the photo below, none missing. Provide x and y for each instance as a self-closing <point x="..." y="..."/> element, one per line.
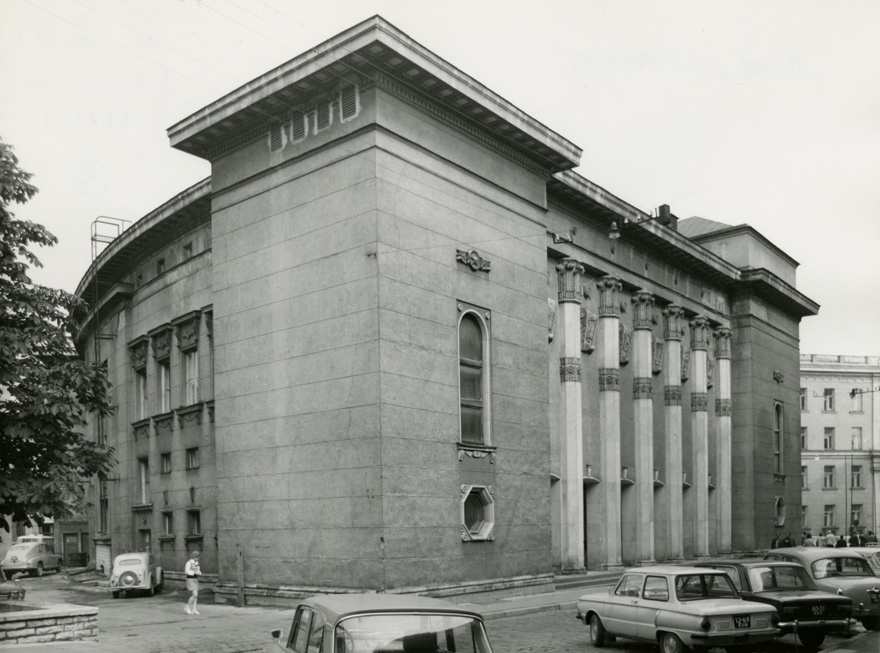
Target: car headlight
<point x="705" y="624"/>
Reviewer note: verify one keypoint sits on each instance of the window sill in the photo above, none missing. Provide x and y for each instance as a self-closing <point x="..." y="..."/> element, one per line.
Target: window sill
<point x="194" y="538"/>
<point x="141" y="428"/>
<point x="191" y="413"/>
<point x="166" y="538"/>
<point x="142" y="507"/>
<point x="162" y="421"/>
<point x="475" y="450"/>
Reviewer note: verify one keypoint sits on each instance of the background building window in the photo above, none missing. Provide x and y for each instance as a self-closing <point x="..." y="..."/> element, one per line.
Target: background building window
<point x="828" y="440"/>
<point x="191" y="376"/>
<point x="144" y="480"/>
<point x="855" y="517"/>
<point x="856" y="437"/>
<point x="804" y="477"/>
<point x="103" y="504"/>
<point x="192" y="458"/>
<point x="473" y="378"/>
<point x="166" y="463"/>
<point x="778" y="463"/>
<point x="828" y="477"/>
<point x="164" y="369"/>
<point x="193" y="522"/>
<point x="140" y="391"/>
<point x="160" y="266"/>
<point x="829" y="517"/>
<point x="803" y="437"/>
<point x="855" y="477"/>
<point x="168" y="523"/>
<point x="803" y="399"/>
<point x="857" y="401"/>
<point x="828" y="405"/>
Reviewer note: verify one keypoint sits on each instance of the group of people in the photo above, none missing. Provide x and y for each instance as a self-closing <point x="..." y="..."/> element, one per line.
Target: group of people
<point x="830" y="540"/>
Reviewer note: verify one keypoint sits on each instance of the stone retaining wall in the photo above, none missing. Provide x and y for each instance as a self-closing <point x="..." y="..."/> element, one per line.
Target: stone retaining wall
<point x="34" y="623"/>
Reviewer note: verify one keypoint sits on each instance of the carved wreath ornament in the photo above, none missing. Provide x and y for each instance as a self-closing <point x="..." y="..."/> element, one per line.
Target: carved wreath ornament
<point x="473" y="260"/>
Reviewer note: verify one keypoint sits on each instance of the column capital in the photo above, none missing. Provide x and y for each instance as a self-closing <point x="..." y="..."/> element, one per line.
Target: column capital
<point x="699" y="333"/>
<point x="570" y="369"/>
<point x="609" y="288"/>
<point x="723" y="407"/>
<point x="569" y="271"/>
<point x="643" y="387"/>
<point x="723" y="337"/>
<point x="674" y="316"/>
<point x="643" y="302"/>
<point x="609" y="379"/>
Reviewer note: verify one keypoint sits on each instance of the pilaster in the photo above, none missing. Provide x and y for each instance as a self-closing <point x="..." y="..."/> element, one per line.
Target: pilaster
<point x="699" y="329"/>
<point x="643" y="413"/>
<point x="673" y="453"/>
<point x="723" y="443"/>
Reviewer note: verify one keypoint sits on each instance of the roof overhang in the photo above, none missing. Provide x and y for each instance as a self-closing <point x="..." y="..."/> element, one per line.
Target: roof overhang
<point x="363" y="51"/>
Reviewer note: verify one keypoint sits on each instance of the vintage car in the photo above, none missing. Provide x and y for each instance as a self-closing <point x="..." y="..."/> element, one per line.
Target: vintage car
<point x="31" y="554"/>
<point x="677" y="607"/>
<point x="872" y="555"/>
<point x="135" y="571"/>
<point x="843" y="572"/>
<point x="381" y="623"/>
<point x="802" y="607"/>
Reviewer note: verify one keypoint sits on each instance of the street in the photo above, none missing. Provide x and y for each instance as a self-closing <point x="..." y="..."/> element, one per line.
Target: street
<point x="140" y="624"/>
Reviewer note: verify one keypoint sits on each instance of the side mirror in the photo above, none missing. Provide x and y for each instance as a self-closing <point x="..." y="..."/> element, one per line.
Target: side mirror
<point x="277" y="633"/>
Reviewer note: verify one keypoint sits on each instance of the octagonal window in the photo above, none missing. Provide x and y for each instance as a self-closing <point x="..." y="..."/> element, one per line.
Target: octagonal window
<point x="477" y="513"/>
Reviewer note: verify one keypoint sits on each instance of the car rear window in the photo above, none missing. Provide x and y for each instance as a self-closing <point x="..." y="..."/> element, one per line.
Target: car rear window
<point x="20" y="548"/>
<point x="130" y="561"/>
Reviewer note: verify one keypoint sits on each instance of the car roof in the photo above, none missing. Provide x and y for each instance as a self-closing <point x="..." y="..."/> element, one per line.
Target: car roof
<point x="335" y="606"/>
<point x="133" y="554"/>
<point x="817" y="552"/>
<point x="677" y="570"/>
<point x="751" y="562"/>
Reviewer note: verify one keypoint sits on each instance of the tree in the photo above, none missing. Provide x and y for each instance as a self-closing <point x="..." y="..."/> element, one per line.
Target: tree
<point x="46" y="391"/>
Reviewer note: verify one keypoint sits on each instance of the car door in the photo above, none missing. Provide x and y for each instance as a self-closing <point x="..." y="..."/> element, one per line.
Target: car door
<point x="654" y="600"/>
<point x="623" y="606"/>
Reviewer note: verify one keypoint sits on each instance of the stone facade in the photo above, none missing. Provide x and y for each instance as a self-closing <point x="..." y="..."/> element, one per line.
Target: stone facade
<point x="422" y="362"/>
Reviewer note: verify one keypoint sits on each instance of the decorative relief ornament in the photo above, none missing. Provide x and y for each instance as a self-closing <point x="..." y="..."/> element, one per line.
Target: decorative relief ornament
<point x="589" y="322"/>
<point x="685" y="363"/>
<point x="722" y="342"/>
<point x="473" y="260"/>
<point x="723" y="407"/>
<point x="699" y="402"/>
<point x="188" y="334"/>
<point x="643" y="315"/>
<point x="569" y="369"/>
<point x="672" y="395"/>
<point x="674" y="316"/>
<point x="162" y="344"/>
<point x="643" y="387"/>
<point x="625" y="337"/>
<point x="609" y="288"/>
<point x="656" y="355"/>
<point x="609" y="379"/>
<point x="138" y="354"/>
<point x="710" y="370"/>
<point x="551" y="318"/>
<point x="699" y="332"/>
<point x="569" y="271"/>
<point x="778" y="376"/>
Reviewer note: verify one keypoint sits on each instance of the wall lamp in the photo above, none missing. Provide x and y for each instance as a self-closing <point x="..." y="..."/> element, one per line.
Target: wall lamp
<point x="663" y="216"/>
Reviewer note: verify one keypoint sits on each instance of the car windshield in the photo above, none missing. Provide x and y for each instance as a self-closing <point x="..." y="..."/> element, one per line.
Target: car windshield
<point x="774" y="579"/>
<point x="411" y="633"/>
<point x="695" y="587"/>
<point x="850" y="566"/>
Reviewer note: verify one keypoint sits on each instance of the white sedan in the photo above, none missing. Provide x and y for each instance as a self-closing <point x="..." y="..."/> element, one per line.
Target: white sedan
<point x="676" y="607"/>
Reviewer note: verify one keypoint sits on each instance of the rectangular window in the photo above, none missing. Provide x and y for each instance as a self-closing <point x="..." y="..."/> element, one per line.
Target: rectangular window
<point x="139" y="280"/>
<point x="103" y="504"/>
<point x="140" y="391"/>
<point x="144" y="479"/>
<point x="166" y="463"/>
<point x="829" y="516"/>
<point x="828" y="406"/>
<point x="193" y="522"/>
<point x="191" y="376"/>
<point x="804" y="477"/>
<point x="164" y="369"/>
<point x="828" y="477"/>
<point x="160" y="266"/>
<point x="828" y="440"/>
<point x="777" y="439"/>
<point x="192" y="458"/>
<point x="803" y="437"/>
<point x="855" y="477"/>
<point x="145" y="537"/>
<point x="856" y="437"/>
<point x="473" y="379"/>
<point x="804" y="517"/>
<point x="855" y="517"/>
<point x="856" y="395"/>
<point x="187" y="251"/>
<point x="803" y="399"/>
<point x="168" y="523"/>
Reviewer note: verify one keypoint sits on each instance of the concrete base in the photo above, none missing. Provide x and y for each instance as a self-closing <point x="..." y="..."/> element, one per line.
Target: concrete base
<point x="32" y="623"/>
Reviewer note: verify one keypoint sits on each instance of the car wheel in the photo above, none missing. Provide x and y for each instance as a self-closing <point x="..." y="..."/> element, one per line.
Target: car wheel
<point x="811" y="639"/>
<point x="152" y="590"/>
<point x="39" y="569"/>
<point x="597" y="631"/>
<point x="871" y="623"/>
<point x="670" y="643"/>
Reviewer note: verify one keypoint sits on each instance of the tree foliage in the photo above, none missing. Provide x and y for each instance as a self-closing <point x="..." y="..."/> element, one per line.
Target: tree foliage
<point x="46" y="391"/>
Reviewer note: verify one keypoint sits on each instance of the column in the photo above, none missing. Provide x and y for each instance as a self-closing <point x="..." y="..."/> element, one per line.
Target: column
<point x="723" y="445"/>
<point x="700" y="433"/>
<point x="572" y="444"/>
<point x="643" y="414"/>
<point x="609" y="288"/>
<point x="673" y="452"/>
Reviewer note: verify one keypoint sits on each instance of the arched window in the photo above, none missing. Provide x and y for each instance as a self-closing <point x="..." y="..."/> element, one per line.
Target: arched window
<point x="473" y="374"/>
<point x="778" y="431"/>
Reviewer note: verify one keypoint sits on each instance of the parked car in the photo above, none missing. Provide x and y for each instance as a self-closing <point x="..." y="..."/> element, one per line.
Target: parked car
<point x="31" y="554"/>
<point x="676" y="607"/>
<point x="872" y="555"/>
<point x="841" y="571"/>
<point x="381" y="623"/>
<point x="136" y="571"/>
<point x="802" y="607"/>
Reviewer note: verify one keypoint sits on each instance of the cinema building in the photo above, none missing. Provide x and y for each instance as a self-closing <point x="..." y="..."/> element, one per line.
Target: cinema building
<point x="395" y="343"/>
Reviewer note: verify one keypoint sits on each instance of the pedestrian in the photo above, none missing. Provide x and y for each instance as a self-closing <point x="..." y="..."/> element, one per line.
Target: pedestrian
<point x="192" y="572"/>
<point x="774" y="544"/>
<point x="786" y="541"/>
<point x="841" y="543"/>
<point x="870" y="538"/>
<point x="829" y="539"/>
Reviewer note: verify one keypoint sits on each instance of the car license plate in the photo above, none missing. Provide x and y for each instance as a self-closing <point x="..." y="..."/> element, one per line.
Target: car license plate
<point x="875" y="597"/>
<point x="743" y="621"/>
<point x="818" y="610"/>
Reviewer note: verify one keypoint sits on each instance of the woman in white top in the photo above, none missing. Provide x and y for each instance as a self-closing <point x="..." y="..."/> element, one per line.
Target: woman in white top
<point x="192" y="582"/>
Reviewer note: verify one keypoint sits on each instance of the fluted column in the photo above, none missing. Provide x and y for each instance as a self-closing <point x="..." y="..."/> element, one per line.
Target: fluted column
<point x="609" y="288"/>
<point x="673" y="452"/>
<point x="723" y="444"/>
<point x="643" y="414"/>
<point x="572" y="446"/>
<point x="699" y="327"/>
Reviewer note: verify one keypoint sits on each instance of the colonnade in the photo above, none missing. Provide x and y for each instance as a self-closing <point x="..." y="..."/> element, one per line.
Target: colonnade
<point x="678" y="364"/>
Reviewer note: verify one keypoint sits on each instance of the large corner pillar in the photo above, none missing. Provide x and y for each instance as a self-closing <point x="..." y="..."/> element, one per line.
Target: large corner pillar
<point x="572" y="446"/>
<point x="609" y="288"/>
<point x="673" y="448"/>
<point x="723" y="443"/>
<point x="643" y="414"/>
<point x="700" y="433"/>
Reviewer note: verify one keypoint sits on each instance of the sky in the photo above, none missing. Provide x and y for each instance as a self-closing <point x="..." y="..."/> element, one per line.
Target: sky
<point x="763" y="112"/>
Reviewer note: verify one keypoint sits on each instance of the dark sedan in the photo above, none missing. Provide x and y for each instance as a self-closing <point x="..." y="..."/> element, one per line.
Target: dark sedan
<point x="802" y="607"/>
